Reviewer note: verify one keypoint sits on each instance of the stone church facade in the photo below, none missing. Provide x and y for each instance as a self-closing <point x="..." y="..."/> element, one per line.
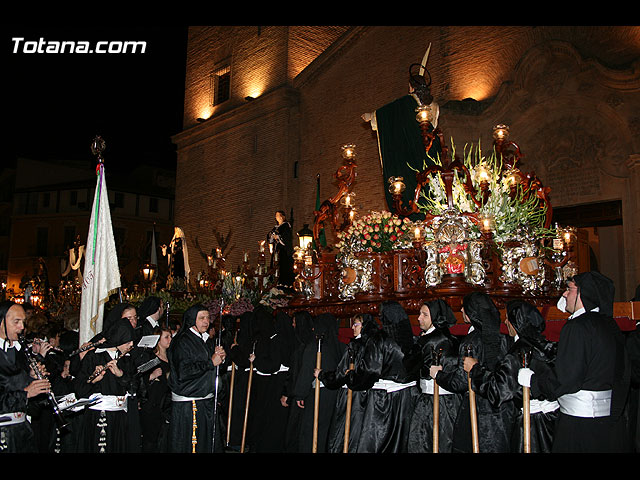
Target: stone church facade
<point x="267" y="110"/>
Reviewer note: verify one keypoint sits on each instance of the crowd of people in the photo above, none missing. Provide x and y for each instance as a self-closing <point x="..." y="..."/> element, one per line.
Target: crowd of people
<point x="265" y="383"/>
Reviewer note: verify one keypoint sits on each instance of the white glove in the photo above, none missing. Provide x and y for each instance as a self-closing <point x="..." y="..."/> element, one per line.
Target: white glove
<point x="524" y="377"/>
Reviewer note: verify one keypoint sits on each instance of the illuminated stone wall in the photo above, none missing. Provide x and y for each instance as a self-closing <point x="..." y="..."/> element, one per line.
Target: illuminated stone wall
<point x="569" y="95"/>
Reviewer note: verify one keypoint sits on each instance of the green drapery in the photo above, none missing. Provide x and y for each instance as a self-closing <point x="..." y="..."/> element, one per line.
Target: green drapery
<point x="400" y="144"/>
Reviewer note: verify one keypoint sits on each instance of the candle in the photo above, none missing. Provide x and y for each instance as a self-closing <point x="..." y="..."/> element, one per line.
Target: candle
<point x="417" y="233"/>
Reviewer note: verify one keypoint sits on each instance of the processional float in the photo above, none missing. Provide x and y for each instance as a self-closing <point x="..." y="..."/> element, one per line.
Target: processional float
<point x="486" y="225"/>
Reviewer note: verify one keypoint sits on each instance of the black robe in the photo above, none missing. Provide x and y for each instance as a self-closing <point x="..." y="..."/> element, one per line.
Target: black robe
<point x="103" y="430"/>
<point x="17" y="438"/>
<point x="421" y="429"/>
<point x="332" y="350"/>
<point x="336" y="380"/>
<point x="591" y="356"/>
<point x="387" y="415"/>
<point x="155" y="410"/>
<point x="239" y="357"/>
<point x="284" y="250"/>
<point x="192" y="374"/>
<point x="273" y="358"/>
<point x="495" y="423"/>
<point x="49" y="437"/>
<point x="303" y="335"/>
<point x="500" y="386"/>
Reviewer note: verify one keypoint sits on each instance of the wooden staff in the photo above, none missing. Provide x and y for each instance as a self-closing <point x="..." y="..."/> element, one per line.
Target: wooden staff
<point x="316" y="406"/>
<point x="436" y="354"/>
<point x="526" y="407"/>
<point x="472" y="407"/>
<point x="246" y="408"/>
<point x="231" y="384"/>
<point x="347" y="420"/>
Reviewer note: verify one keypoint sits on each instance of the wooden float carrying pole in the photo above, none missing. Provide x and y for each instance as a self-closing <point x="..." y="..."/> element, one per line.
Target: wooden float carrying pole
<point x="347" y="419"/>
<point x="246" y="407"/>
<point x="526" y="407"/>
<point x="472" y="407"/>
<point x="436" y="354"/>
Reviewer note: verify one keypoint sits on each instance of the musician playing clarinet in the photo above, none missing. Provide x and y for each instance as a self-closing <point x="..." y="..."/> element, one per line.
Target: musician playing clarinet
<point x="17" y="386"/>
<point x="107" y="371"/>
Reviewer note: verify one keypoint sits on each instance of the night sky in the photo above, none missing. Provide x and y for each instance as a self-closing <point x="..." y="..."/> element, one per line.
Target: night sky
<point x="54" y="104"/>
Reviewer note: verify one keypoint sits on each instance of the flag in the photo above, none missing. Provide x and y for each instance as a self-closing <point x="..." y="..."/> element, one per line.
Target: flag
<point x="321" y="235"/>
<point x="154" y="252"/>
<point x="101" y="272"/>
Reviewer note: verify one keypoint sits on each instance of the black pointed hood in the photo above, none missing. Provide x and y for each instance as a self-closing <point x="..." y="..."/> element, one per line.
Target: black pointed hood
<point x="396" y="324"/>
<point x="442" y="316"/>
<point x="596" y="290"/>
<point x="484" y="316"/>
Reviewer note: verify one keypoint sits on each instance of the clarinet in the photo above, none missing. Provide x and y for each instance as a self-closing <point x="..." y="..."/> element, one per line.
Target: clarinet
<point x="61" y="422"/>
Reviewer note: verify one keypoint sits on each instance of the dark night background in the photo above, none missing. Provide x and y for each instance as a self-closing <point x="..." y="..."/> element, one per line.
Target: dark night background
<point x="55" y="104"/>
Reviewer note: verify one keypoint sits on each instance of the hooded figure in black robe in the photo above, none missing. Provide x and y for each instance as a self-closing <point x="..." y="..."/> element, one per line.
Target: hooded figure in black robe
<point x="337" y="380"/>
<point x="147" y="308"/>
<point x="274" y="358"/>
<point x="487" y="346"/>
<point x="392" y="388"/>
<point x="332" y="350"/>
<point x="435" y="346"/>
<point x="531" y="348"/>
<point x="225" y="337"/>
<point x="239" y="354"/>
<point x="263" y="388"/>
<point x="192" y="380"/>
<point x="500" y="385"/>
<point x="303" y="335"/>
<point x="105" y="425"/>
<point x="591" y="375"/>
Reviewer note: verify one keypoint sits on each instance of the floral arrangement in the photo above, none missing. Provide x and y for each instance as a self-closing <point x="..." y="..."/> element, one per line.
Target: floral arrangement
<point x="376" y="232"/>
<point x="275" y="298"/>
<point x="514" y="214"/>
<point x="236" y="308"/>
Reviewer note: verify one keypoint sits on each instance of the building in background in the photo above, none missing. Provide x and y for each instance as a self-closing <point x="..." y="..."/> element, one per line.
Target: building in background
<point x="50" y="212"/>
<point x="268" y="108"/>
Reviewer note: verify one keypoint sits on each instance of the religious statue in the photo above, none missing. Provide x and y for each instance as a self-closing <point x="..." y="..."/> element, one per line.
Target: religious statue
<point x="74" y="256"/>
<point x="280" y="238"/>
<point x="178" y="259"/>
<point x="454" y="262"/>
<point x="400" y="138"/>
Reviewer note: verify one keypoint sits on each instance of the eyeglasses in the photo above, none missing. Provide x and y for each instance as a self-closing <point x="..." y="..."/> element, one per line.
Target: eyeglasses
<point x="356" y="325"/>
<point x="132" y="317"/>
